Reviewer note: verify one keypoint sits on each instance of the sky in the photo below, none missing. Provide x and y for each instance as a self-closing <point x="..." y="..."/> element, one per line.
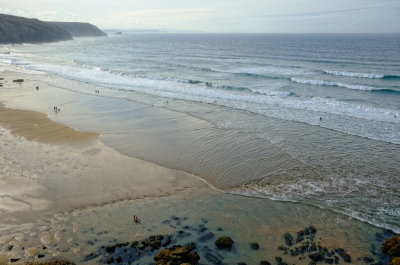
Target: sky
<point x="252" y="16"/>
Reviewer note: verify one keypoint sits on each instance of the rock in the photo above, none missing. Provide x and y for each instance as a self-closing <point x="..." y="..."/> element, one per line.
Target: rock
<point x="10" y="247"/>
<point x="40" y="256"/>
<point x="242" y="263"/>
<point x="395" y="261"/>
<point x="110" y="249"/>
<point x="288" y="239"/>
<point x="224" y="242"/>
<point x="14" y="260"/>
<point x="316" y="257"/>
<point x="264" y="262"/>
<point x="283" y="248"/>
<point x="279" y="261"/>
<point x="254" y="246"/>
<point x="110" y="260"/>
<point x="167" y="241"/>
<point x="392" y="246"/>
<point x="368" y="259"/>
<point x="18" y="80"/>
<point x="118" y="259"/>
<point x="177" y="255"/>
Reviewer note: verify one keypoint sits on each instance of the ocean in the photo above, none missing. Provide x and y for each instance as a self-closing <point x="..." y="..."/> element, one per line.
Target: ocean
<point x="307" y="118"/>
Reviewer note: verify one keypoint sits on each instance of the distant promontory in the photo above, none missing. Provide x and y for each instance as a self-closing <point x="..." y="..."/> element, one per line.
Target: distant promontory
<point x="15" y="29"/>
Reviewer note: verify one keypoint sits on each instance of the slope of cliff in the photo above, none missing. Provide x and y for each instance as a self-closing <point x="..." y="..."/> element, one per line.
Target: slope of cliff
<point x="79" y="29"/>
<point x="15" y="29"/>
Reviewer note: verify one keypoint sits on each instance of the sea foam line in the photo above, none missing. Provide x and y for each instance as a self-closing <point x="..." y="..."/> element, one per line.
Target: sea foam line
<point x="329" y="83"/>
<point x="360" y="75"/>
<point x="352" y="74"/>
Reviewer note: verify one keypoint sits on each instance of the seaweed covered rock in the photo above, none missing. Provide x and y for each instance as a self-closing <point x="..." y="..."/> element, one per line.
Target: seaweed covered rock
<point x="392" y="246"/>
<point x="224" y="242"/>
<point x="395" y="261"/>
<point x="177" y="255"/>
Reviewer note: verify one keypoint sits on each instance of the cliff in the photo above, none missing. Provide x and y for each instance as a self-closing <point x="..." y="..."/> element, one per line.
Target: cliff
<point x="27" y="30"/>
<point x="15" y="29"/>
<point x="79" y="29"/>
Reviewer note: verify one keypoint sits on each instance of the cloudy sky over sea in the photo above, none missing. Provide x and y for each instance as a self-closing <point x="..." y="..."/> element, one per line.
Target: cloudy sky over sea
<point x="287" y="16"/>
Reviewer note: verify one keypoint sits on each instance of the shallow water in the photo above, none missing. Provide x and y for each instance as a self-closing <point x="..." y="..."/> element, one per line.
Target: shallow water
<point x="272" y="158"/>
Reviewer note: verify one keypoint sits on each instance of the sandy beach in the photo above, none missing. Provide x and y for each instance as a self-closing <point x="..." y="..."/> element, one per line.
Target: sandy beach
<point x="66" y="194"/>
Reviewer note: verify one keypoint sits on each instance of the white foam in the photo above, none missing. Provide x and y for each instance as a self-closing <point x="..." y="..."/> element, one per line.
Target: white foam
<point x="269" y="70"/>
<point x="265" y="101"/>
<point x="328" y="83"/>
<point x="352" y="74"/>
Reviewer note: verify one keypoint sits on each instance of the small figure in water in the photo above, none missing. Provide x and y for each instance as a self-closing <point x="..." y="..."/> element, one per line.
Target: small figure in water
<point x="320" y="118"/>
<point x="136" y="219"/>
<point x="37" y="87"/>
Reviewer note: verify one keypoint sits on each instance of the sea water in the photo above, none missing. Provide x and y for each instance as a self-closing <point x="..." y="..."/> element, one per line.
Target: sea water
<point x="325" y="108"/>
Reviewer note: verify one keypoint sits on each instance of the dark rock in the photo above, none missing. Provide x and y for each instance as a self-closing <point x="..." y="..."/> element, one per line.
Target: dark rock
<point x="329" y="260"/>
<point x="346" y="257"/>
<point x="176" y="255"/>
<point x="167" y="241"/>
<point x="279" y="261"/>
<point x="202" y="230"/>
<point x="191" y="246"/>
<point x="316" y="257"/>
<point x="110" y="260"/>
<point x="134" y="244"/>
<point x="283" y="248"/>
<point x="264" y="262"/>
<point x="110" y="249"/>
<point x="118" y="259"/>
<point x="342" y="253"/>
<point x="242" y="263"/>
<point x="368" y="259"/>
<point x="206" y="237"/>
<point x="288" y="239"/>
<point x="14" y="260"/>
<point x="224" y="242"/>
<point x="336" y="259"/>
<point x="10" y="247"/>
<point x="40" y="256"/>
<point x="91" y="256"/>
<point x="254" y="246"/>
<point x="18" y="80"/>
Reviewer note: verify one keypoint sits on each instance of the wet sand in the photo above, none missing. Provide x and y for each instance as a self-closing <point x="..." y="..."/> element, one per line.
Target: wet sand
<point x="66" y="195"/>
<point x="36" y="126"/>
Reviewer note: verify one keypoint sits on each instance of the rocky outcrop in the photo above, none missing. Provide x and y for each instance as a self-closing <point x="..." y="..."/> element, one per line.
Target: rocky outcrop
<point x="79" y="29"/>
<point x="15" y="29"/>
<point x="177" y="255"/>
<point x="392" y="248"/>
<point x="224" y="242"/>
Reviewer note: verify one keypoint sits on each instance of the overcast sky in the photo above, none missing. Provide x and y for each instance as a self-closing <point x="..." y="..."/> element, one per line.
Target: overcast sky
<point x="294" y="16"/>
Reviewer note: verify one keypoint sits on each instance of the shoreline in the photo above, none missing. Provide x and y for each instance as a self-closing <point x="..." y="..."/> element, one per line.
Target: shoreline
<point x="173" y="193"/>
